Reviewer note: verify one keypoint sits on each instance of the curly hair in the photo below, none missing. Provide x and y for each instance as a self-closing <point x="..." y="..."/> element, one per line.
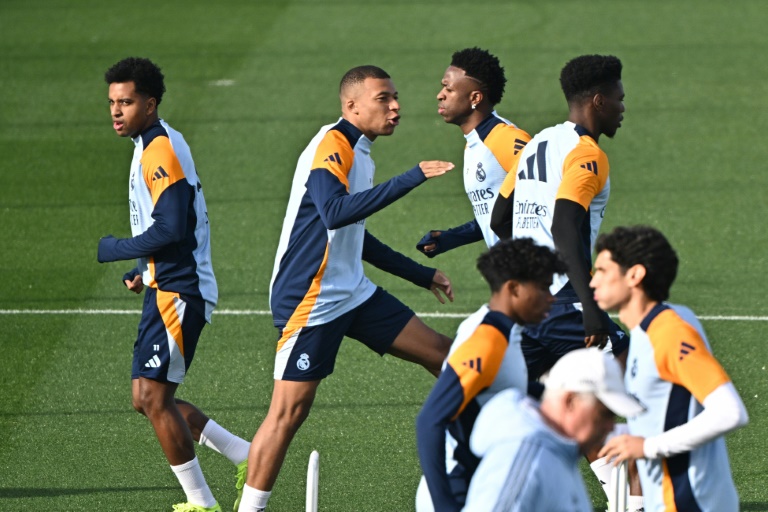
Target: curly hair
<point x="589" y="74"/>
<point x="520" y="259"/>
<point x="483" y="67"/>
<point x="358" y="75"/>
<point x="646" y="246"/>
<point x="146" y="76"/>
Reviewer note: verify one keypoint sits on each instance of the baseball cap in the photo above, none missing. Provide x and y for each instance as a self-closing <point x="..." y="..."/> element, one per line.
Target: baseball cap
<point x="590" y="370"/>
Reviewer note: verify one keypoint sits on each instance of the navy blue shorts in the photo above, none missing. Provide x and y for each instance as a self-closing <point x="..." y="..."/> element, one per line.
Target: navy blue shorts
<point x="309" y="353"/>
<point x="561" y="332"/>
<point x="167" y="339"/>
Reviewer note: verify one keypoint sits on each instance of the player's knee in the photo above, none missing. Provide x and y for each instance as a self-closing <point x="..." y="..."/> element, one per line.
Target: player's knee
<point x="137" y="406"/>
<point x="149" y="402"/>
<point x="287" y="418"/>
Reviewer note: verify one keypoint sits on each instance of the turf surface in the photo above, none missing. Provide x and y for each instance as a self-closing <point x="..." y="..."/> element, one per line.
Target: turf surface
<point x="249" y="83"/>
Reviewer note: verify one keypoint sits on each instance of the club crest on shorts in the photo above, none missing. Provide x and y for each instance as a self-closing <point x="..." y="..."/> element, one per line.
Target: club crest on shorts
<point x="303" y="362"/>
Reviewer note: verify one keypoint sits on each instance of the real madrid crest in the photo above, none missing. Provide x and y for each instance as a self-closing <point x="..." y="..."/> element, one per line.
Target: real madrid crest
<point x="480" y="173"/>
<point x="303" y="362"/>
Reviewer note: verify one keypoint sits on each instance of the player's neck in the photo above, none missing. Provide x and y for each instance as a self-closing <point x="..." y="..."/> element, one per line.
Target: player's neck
<point x="583" y="119"/>
<point x="636" y="309"/>
<point x="473" y="121"/>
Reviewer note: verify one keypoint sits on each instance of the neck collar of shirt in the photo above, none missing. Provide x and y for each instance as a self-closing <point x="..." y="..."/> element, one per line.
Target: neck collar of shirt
<point x="149" y="133"/>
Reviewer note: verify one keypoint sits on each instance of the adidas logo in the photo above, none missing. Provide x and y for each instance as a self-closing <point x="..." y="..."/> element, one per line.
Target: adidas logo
<point x="590" y="166"/>
<point x="153" y="363"/>
<point x="159" y="174"/>
<point x="685" y="349"/>
<point x="333" y="158"/>
<point x="519" y="144"/>
<point x="474" y="364"/>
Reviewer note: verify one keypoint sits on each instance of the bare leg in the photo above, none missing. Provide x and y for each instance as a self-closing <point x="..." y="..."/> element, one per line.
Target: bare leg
<point x="195" y="418"/>
<point x="289" y="407"/>
<point x="420" y="344"/>
<point x="156" y="401"/>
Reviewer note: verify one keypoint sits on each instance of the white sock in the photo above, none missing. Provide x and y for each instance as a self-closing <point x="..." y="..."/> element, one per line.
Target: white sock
<point x="602" y="469"/>
<point x="254" y="500"/>
<point x="635" y="504"/>
<point x="219" y="439"/>
<point x="193" y="482"/>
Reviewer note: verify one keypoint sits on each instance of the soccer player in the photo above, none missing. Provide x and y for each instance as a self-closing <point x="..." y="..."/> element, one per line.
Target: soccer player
<point x="484" y="359"/>
<point x="560" y="194"/>
<point x="559" y="198"/>
<point x="319" y="293"/>
<point x="471" y="87"/>
<point x="691" y="401"/>
<point x="530" y="451"/>
<point x="171" y="241"/>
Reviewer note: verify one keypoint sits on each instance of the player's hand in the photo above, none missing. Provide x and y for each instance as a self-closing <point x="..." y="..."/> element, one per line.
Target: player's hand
<point x="136" y="285"/>
<point x="599" y="340"/>
<point x="441" y="283"/>
<point x="429" y="245"/>
<point x="624" y="447"/>
<point x="433" y="168"/>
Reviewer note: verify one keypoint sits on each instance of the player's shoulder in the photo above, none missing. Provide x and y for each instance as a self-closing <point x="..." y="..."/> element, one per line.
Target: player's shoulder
<point x="668" y="325"/>
<point x="160" y="151"/>
<point x="333" y="147"/>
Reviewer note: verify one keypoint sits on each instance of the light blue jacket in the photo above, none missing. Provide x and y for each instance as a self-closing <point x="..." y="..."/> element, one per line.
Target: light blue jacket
<point x="526" y="466"/>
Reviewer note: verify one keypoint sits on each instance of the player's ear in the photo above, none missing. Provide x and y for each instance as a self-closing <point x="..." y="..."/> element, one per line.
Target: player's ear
<point x="476" y="97"/>
<point x="350" y="105"/>
<point x="512" y="287"/>
<point x="598" y="101"/>
<point x="151" y="106"/>
<point x="635" y="274"/>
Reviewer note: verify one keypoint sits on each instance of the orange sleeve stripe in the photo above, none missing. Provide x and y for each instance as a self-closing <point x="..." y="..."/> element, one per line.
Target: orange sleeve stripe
<point x="300" y="315"/>
<point x="336" y="155"/>
<point x="508" y="186"/>
<point x="585" y="172"/>
<point x="160" y="166"/>
<point x="682" y="357"/>
<point x="506" y="142"/>
<point x="170" y="316"/>
<point x="477" y="361"/>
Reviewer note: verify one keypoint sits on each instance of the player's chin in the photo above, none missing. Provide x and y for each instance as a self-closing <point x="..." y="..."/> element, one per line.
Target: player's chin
<point x="389" y="129"/>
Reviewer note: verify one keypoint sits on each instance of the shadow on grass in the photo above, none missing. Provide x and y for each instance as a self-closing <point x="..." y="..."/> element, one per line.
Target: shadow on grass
<point x="31" y="492"/>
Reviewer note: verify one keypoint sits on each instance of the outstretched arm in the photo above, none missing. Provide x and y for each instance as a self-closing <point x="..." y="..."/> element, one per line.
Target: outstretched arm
<point x="339" y="208"/>
<point x="437" y="242"/>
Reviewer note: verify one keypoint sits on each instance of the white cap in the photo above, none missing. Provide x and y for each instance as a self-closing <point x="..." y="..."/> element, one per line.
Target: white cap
<point x="590" y="370"/>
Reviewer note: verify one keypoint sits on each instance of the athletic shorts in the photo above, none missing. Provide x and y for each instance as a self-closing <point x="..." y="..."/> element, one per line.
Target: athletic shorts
<point x="167" y="339"/>
<point x="309" y="353"/>
<point x="562" y="331"/>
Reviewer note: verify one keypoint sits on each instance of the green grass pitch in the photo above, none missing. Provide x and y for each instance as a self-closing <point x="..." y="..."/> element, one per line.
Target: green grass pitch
<point x="249" y="83"/>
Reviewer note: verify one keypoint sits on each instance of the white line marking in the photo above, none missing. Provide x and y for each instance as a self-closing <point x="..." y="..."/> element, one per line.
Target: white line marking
<point x="263" y="312"/>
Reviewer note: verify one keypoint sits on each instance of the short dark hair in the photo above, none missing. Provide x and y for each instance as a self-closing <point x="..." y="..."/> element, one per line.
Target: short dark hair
<point x="358" y="75"/>
<point x="484" y="67"/>
<point x="587" y="75"/>
<point x="519" y="259"/>
<point x="144" y="73"/>
<point x="646" y="246"/>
